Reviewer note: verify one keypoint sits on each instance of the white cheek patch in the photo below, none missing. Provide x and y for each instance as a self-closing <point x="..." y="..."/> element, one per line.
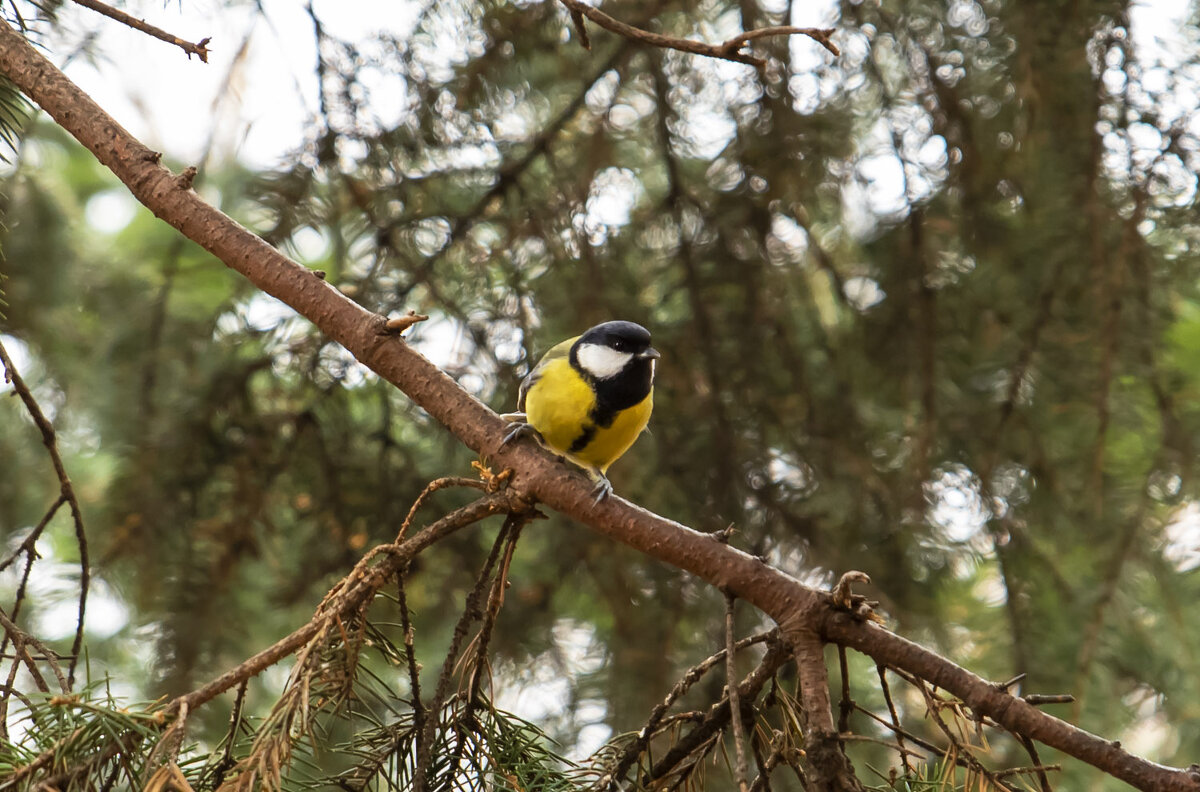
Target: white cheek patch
<point x="600" y="361"/>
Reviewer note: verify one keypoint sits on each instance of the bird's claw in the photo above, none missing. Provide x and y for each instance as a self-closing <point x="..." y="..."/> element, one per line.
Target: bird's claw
<point x="603" y="488"/>
<point x="520" y="429"/>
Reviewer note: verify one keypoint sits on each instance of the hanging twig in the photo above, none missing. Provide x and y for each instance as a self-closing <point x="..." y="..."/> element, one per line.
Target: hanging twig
<point x="887" y="697"/>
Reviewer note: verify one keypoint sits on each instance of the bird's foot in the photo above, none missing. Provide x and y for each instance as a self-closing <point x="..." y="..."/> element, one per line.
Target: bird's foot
<point x="603" y="487"/>
<point x="520" y="429"/>
<point x="517" y="417"/>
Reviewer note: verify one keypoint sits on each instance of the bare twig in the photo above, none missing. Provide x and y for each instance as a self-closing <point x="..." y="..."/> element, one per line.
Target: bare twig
<point x="471" y="612"/>
<point x="235" y="721"/>
<point x="728" y="50"/>
<point x="167" y="749"/>
<point x="819" y="35"/>
<point x="432" y="487"/>
<point x="1038" y="699"/>
<point x="887" y="697"/>
<point x="28" y="543"/>
<point x="657" y="715"/>
<point x="846" y="705"/>
<point x="479" y="662"/>
<point x="1043" y="779"/>
<point x="714" y="718"/>
<point x="495" y="601"/>
<point x="410" y="655"/>
<point x="29" y="547"/>
<point x="20" y="640"/>
<point x="735" y="703"/>
<point x="199" y="49"/>
<point x="1039" y="769"/>
<point x="934" y="705"/>
<point x="67" y="492"/>
<point x="399" y="324"/>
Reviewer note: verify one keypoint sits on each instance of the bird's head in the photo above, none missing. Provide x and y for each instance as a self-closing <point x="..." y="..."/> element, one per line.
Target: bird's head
<point x="607" y="349"/>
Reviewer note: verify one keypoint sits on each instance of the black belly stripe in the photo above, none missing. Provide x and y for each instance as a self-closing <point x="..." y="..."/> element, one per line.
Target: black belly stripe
<point x="602" y="415"/>
<point x="585" y="437"/>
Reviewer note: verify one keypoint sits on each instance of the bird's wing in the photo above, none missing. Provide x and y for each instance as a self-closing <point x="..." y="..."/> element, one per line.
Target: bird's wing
<point x="556" y="352"/>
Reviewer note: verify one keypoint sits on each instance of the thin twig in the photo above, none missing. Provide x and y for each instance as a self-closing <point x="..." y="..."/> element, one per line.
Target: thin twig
<point x="1039" y="769"/>
<point x="933" y="704"/>
<point x="735" y="703"/>
<point x="765" y="766"/>
<point x="495" y="601"/>
<point x="471" y="612"/>
<point x="657" y="717"/>
<point x="66" y="490"/>
<point x="900" y="731"/>
<point x="235" y="721"/>
<point x="20" y="639"/>
<point x="199" y="49"/>
<point x="887" y="697"/>
<point x="819" y="35"/>
<point x="27" y="544"/>
<point x="410" y="654"/>
<point x="511" y="532"/>
<point x="29" y="547"/>
<point x="777" y="654"/>
<point x="846" y="705"/>
<point x="1043" y="779"/>
<point x="432" y="487"/>
<point x="1038" y="699"/>
<point x="729" y="50"/>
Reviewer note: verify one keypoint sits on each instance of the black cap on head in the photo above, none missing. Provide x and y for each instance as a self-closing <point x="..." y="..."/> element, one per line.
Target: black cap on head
<point x="619" y="335"/>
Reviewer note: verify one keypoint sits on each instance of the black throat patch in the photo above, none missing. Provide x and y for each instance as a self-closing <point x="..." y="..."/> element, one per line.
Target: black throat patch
<point x="616" y="393"/>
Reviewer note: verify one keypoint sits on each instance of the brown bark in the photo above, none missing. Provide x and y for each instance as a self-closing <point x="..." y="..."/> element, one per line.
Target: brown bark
<point x="799" y="610"/>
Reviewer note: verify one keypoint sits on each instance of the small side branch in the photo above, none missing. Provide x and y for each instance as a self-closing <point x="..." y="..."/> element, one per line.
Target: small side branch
<point x="66" y="493"/>
<point x="199" y="49"/>
<point x="735" y="702"/>
<point x="729" y="50"/>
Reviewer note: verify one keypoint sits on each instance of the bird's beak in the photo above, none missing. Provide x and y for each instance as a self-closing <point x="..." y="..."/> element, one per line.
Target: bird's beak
<point x="650" y="353"/>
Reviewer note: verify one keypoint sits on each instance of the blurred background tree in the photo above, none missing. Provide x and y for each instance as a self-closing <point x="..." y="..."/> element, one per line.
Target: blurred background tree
<point x="927" y="310"/>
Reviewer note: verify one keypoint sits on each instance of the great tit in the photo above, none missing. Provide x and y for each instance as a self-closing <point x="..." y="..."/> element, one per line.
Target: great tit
<point x="590" y="397"/>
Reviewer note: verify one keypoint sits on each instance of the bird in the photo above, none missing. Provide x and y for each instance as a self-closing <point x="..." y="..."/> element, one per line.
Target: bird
<point x="589" y="398"/>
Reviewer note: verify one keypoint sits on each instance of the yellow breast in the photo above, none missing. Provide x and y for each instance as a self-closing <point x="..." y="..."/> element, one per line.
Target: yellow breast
<point x="559" y="406"/>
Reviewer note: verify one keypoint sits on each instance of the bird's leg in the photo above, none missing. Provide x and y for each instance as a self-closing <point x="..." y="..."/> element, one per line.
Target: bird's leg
<point x="603" y="488"/>
<point x="517" y="417"/>
<point x="521" y="429"/>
